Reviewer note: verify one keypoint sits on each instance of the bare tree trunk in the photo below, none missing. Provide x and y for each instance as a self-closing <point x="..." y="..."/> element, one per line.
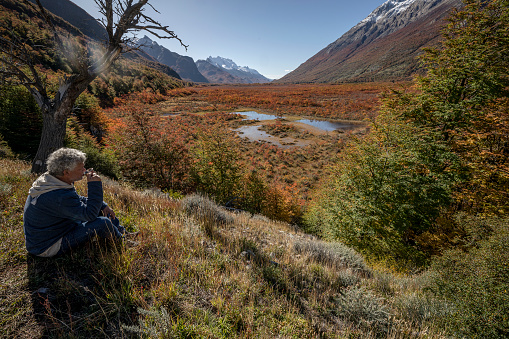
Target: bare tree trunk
<point x="52" y="138"/>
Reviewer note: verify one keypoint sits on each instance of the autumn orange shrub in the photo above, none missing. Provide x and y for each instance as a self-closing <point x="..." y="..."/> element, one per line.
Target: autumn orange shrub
<point x="344" y="101"/>
<point x="282" y="203"/>
<point x="485" y="149"/>
<point x="152" y="150"/>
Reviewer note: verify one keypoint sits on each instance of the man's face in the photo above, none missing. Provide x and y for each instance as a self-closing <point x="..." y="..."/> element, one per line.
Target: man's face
<point x="77" y="172"/>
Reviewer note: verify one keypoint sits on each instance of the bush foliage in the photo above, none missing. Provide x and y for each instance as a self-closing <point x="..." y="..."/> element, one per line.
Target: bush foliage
<point x="476" y="281"/>
<point x="20" y="119"/>
<point x="434" y="150"/>
<point x="387" y="189"/>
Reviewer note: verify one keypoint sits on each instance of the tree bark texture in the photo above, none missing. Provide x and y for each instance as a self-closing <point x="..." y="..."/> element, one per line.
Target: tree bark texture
<point x="52" y="138"/>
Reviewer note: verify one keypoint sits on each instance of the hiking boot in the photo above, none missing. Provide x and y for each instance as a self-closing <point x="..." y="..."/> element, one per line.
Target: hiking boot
<point x="131" y="243"/>
<point x="131" y="235"/>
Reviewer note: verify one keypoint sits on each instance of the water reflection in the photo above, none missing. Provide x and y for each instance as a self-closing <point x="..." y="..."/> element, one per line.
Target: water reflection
<point x="252" y="115"/>
<point x="254" y="134"/>
<point x="323" y="125"/>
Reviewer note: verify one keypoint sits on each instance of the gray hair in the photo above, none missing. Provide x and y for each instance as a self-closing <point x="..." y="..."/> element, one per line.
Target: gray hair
<point x="64" y="159"/>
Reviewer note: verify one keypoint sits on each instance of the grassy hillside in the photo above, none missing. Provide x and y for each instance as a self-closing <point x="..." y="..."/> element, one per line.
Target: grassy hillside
<point x="199" y="271"/>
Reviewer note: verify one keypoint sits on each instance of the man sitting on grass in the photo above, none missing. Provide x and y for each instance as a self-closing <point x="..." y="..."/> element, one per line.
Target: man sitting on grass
<point x="56" y="219"/>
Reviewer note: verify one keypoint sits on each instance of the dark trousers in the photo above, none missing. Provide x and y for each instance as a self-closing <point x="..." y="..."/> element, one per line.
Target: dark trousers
<point x="102" y="227"/>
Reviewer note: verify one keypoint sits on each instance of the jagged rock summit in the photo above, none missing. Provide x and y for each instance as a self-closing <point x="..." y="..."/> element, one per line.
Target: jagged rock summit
<point x="217" y="75"/>
<point x="214" y="67"/>
<point x="384" y="46"/>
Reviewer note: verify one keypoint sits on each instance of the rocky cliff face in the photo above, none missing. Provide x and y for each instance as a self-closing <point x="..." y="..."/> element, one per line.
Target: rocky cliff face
<point x="183" y="65"/>
<point x="384" y="46"/>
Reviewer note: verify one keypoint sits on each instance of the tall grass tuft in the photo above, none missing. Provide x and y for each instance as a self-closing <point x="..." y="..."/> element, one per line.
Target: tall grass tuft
<point x="157" y="323"/>
<point x="364" y="309"/>
<point x="205" y="211"/>
<point x="333" y="254"/>
<point x="421" y="308"/>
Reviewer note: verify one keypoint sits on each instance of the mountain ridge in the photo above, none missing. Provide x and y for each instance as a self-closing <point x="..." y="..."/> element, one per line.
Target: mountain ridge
<point x="383" y="46"/>
<point x="76" y="16"/>
<point x="183" y="65"/>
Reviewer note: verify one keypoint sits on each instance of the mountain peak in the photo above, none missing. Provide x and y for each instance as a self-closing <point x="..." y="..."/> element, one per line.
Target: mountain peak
<point x="241" y="74"/>
<point x="229" y="64"/>
<point x="183" y="65"/>
<point x="386" y="10"/>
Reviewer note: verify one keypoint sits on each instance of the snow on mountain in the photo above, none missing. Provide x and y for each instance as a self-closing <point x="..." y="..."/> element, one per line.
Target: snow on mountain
<point x="243" y="74"/>
<point x="386" y="10"/>
<point x="230" y="65"/>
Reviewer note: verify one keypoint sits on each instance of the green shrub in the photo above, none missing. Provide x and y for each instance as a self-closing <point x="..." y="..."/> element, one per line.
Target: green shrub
<point x="5" y="150"/>
<point x="20" y="119"/>
<point x="387" y="188"/>
<point x="476" y="282"/>
<point x="216" y="169"/>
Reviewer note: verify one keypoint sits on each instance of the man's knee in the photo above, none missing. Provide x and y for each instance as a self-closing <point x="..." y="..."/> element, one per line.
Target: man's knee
<point x="102" y="226"/>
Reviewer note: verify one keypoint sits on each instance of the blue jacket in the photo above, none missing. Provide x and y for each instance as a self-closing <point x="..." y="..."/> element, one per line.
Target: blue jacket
<point x="52" y="215"/>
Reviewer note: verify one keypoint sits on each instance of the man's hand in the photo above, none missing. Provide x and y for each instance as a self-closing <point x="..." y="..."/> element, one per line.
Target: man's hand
<point x="108" y="212"/>
<point x="92" y="175"/>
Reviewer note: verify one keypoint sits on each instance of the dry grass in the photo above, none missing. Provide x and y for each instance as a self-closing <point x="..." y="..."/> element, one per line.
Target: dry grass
<point x="213" y="275"/>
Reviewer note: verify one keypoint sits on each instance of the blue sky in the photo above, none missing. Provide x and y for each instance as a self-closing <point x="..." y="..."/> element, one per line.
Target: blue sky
<point x="271" y="36"/>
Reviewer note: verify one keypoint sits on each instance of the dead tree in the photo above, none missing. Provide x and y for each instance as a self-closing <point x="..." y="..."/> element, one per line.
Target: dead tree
<point x="120" y="18"/>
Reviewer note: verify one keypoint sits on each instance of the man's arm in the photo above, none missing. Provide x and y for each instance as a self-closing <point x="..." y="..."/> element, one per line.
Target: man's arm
<point x="73" y="207"/>
<point x="81" y="208"/>
<point x="91" y="177"/>
<point x="108" y="212"/>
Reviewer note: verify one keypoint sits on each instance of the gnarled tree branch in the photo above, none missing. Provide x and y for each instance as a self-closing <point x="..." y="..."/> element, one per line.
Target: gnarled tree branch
<point x="120" y="18"/>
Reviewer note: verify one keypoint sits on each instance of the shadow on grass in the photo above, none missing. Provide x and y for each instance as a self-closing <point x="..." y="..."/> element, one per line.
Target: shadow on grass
<point x="71" y="296"/>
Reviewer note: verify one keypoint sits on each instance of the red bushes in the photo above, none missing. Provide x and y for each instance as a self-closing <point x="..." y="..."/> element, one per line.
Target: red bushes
<point x="346" y="101"/>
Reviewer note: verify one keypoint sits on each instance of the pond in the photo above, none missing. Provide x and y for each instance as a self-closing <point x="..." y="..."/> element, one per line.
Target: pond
<point x="254" y="134"/>
<point x="323" y="125"/>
